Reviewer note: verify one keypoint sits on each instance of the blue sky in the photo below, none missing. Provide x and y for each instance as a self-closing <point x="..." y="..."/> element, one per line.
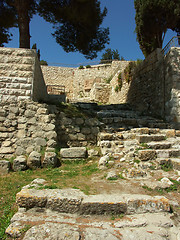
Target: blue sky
<point x="121" y="21"/>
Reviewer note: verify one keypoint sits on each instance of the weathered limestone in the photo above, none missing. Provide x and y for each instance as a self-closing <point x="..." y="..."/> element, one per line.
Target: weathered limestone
<point x="73" y="153"/>
<point x="72" y="200"/>
<point x="50" y="160"/>
<point x="20" y="76"/>
<point x="19" y="163"/>
<point x="34" y="160"/>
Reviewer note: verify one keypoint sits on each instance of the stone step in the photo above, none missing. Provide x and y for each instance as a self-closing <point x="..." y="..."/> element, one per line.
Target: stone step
<point x="167" y="153"/>
<point x="117" y="113"/>
<point x="47" y="224"/>
<point x="159" y="145"/>
<point x="145" y="138"/>
<point x="117" y="122"/>
<point x="74" y="201"/>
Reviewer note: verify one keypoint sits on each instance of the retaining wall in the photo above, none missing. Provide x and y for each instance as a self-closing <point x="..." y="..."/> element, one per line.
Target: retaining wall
<point x="155" y="88"/>
<point x="20" y="76"/>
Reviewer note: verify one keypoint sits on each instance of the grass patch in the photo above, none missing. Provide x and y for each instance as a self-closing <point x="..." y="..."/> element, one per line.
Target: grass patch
<point x="167" y="166"/>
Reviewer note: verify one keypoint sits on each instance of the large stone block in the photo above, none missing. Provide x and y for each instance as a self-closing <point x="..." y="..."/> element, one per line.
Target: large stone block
<point x="50" y="159"/>
<point x="34" y="160"/>
<point x="74" y="152"/>
<point x="145" y="155"/>
<point x="19" y="164"/>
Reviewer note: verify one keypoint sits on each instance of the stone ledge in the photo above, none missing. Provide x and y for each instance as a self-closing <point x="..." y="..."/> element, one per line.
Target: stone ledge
<point x="74" y="201"/>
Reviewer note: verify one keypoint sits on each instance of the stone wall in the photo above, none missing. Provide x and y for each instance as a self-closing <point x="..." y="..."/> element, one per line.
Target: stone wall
<point x="59" y="76"/>
<point x="76" y="131"/>
<point x="121" y="95"/>
<point x="79" y="83"/>
<point x="20" y="75"/>
<point x="29" y="126"/>
<point x="172" y="85"/>
<point x="155" y="88"/>
<point x="25" y="127"/>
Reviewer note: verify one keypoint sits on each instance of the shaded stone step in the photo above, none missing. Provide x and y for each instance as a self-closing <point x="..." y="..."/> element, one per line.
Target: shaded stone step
<point x="159" y="145"/>
<point x="145" y="138"/>
<point x="117" y="113"/>
<point x="74" y="201"/>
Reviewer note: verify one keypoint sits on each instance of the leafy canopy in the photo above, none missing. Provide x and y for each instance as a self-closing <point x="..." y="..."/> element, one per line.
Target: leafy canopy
<point x="6" y="22"/>
<point x="76" y="23"/>
<point x="153" y="19"/>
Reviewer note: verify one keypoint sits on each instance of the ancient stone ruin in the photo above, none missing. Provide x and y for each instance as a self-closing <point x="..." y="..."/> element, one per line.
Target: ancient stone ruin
<point x="136" y="130"/>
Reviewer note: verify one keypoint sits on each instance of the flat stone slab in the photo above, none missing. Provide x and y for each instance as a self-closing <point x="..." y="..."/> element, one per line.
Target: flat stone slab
<point x="38" y="223"/>
<point x="73" y="153"/>
<point x="74" y="201"/>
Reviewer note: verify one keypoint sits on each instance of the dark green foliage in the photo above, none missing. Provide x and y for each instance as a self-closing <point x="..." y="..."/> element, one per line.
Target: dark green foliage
<point x="110" y="55"/>
<point x="81" y="67"/>
<point x="6" y="22"/>
<point x="153" y="19"/>
<point x="128" y="72"/>
<point x="88" y="66"/>
<point x="43" y="62"/>
<point x="76" y="23"/>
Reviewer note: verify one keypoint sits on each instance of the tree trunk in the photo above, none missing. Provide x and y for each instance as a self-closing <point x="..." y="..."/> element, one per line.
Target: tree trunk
<point x="22" y="7"/>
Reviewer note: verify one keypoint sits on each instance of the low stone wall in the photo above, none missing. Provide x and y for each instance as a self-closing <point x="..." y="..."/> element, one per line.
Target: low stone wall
<point x="76" y="131"/>
<point x="26" y="127"/>
<point x="20" y="76"/>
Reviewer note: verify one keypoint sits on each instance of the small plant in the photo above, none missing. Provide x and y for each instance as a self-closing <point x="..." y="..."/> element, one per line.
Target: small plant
<point x="48" y="187"/>
<point x="137" y="161"/>
<point x="128" y="72"/>
<point x="167" y="166"/>
<point x="88" y="66"/>
<point x="114" y="217"/>
<point x="81" y="67"/>
<point x="144" y="145"/>
<point x="109" y="79"/>
<point x="147" y="188"/>
<point x="121" y="176"/>
<point x="113" y="178"/>
<point x="116" y="89"/>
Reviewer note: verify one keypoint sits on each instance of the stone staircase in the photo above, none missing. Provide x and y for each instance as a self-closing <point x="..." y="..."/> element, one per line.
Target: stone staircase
<point x="139" y="145"/>
<point x="152" y="145"/>
<point x="118" y="116"/>
<point x="70" y="214"/>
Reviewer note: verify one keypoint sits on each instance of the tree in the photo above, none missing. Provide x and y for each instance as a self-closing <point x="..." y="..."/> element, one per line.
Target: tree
<point x="110" y="55"/>
<point x="6" y="23"/>
<point x="153" y="19"/>
<point x="76" y="23"/>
